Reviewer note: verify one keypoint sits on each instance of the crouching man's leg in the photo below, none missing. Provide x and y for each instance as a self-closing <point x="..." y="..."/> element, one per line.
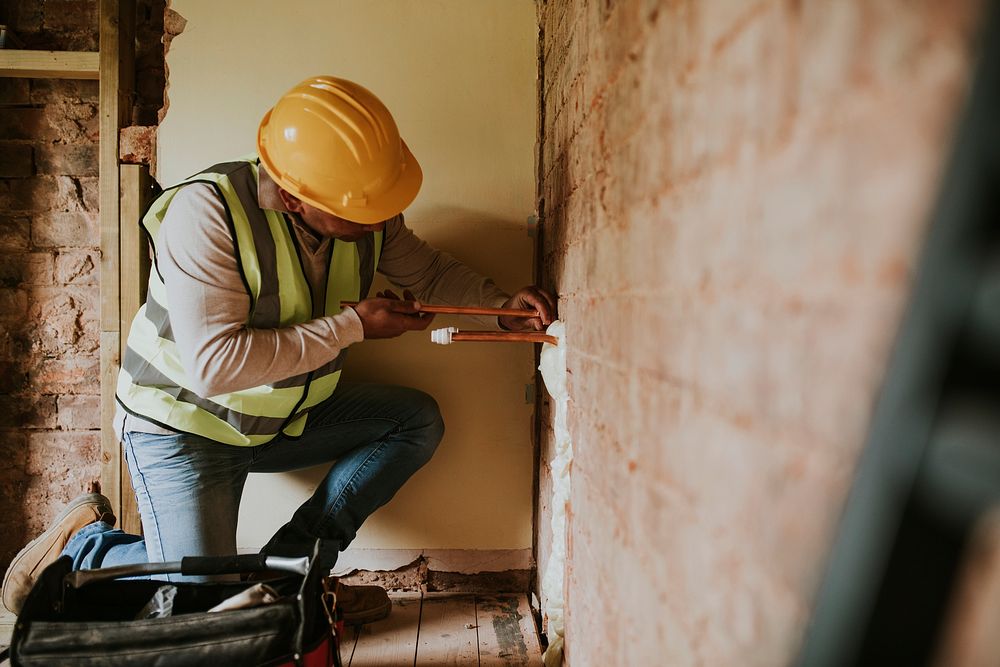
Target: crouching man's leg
<point x="188" y="491"/>
<point x="83" y="530"/>
<point x="378" y="437"/>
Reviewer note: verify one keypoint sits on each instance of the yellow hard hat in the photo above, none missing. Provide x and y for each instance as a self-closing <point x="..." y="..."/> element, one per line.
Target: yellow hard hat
<point x="334" y="145"/>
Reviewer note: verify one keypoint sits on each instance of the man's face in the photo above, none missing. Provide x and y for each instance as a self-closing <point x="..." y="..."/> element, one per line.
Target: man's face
<point x="327" y="224"/>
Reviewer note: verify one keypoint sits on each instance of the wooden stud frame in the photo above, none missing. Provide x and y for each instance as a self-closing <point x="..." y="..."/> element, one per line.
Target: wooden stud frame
<point x="117" y="54"/>
<point x="134" y="264"/>
<point x="49" y="64"/>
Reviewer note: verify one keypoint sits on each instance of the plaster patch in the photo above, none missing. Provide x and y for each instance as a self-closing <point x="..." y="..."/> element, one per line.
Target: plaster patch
<point x="553" y="368"/>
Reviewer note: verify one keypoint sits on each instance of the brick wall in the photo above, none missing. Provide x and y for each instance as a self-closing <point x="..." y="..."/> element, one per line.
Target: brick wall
<point x="734" y="198"/>
<point x="49" y="259"/>
<point x="49" y="264"/>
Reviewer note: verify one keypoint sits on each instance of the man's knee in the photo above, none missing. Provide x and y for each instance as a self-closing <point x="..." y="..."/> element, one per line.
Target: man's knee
<point x="424" y="422"/>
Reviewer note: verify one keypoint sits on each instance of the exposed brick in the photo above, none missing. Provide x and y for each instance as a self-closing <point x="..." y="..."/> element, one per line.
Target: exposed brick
<point x="44" y="91"/>
<point x="13" y="450"/>
<point x="150" y="60"/>
<point x="28" y="412"/>
<point x="150" y="89"/>
<point x="29" y="194"/>
<point x="24" y="123"/>
<point x="67" y="159"/>
<point x="173" y="23"/>
<point x="80" y="412"/>
<point x="13" y="303"/>
<point x="15" y="233"/>
<point x="149" y="65"/>
<point x="13" y="458"/>
<point x="78" y="267"/>
<point x="69" y="121"/>
<point x="60" y="465"/>
<point x="79" y="375"/>
<point x="76" y="229"/>
<point x="64" y="321"/>
<point x="14" y="91"/>
<point x="69" y="14"/>
<point x="13" y="378"/>
<point x="16" y="160"/>
<point x="89" y="189"/>
<point x="24" y="15"/>
<point x="33" y="268"/>
<point x="138" y="145"/>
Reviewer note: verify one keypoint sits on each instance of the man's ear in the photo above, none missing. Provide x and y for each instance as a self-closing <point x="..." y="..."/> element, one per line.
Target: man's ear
<point x="291" y="202"/>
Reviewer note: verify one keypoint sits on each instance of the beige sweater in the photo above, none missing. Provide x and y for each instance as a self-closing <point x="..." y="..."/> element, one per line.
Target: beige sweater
<point x="209" y="305"/>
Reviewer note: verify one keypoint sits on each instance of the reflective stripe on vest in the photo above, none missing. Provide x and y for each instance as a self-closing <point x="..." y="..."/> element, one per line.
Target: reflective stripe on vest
<point x="153" y="384"/>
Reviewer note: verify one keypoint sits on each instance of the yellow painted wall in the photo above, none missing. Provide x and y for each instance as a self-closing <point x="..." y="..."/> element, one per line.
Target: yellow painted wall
<point x="459" y="77"/>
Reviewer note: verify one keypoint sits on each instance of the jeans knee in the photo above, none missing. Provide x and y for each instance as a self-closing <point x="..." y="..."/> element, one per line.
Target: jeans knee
<point x="425" y="423"/>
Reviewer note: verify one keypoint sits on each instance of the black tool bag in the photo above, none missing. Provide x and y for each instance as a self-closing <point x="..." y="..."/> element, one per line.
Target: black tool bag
<point x="87" y="618"/>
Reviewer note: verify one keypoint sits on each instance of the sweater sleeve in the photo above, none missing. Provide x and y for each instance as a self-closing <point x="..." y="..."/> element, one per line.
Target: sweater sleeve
<point x="209" y="306"/>
<point x="432" y="275"/>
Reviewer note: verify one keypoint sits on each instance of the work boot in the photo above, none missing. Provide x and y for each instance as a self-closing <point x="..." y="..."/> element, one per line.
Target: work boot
<point x="45" y="549"/>
<point x="362" y="604"/>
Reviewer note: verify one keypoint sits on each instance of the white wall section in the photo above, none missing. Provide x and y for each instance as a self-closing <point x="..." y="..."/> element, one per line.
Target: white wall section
<point x="459" y="78"/>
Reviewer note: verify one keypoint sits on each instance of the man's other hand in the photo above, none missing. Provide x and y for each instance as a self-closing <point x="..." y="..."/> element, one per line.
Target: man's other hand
<point x="530" y="298"/>
<point x="388" y="316"/>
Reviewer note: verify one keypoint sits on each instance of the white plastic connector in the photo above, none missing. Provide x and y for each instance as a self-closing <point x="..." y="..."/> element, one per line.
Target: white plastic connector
<point x="443" y="336"/>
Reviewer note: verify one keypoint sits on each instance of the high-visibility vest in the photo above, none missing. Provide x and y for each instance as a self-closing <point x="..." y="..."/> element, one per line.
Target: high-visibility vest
<point x="153" y="383"/>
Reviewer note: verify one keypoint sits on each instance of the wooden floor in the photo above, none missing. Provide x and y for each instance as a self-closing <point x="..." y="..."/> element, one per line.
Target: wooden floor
<point x="447" y="629"/>
<point x="7" y="621"/>
<point x="433" y="629"/>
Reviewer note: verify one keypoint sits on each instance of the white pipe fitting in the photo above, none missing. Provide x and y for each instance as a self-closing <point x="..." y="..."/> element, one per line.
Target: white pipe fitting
<point x="443" y="336"/>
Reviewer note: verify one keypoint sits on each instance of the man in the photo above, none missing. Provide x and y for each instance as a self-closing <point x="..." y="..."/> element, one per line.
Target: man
<point x="232" y="365"/>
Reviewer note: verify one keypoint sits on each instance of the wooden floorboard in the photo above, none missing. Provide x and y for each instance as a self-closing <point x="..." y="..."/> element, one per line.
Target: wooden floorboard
<point x="506" y="629"/>
<point x="392" y="642"/>
<point x="347" y="645"/>
<point x="7" y="621"/>
<point x="448" y="631"/>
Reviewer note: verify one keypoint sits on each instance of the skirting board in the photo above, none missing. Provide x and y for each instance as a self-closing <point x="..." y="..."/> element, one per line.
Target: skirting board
<point x="460" y="561"/>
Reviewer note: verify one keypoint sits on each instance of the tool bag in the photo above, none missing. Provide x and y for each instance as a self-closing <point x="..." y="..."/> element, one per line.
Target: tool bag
<point x="87" y="617"/>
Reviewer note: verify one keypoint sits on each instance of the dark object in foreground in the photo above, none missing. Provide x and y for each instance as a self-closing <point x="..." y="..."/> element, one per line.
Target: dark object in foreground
<point x="86" y="619"/>
<point x="930" y="474"/>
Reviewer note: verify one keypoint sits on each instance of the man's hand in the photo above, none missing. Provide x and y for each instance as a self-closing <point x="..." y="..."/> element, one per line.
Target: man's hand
<point x="388" y="316"/>
<point x="530" y="297"/>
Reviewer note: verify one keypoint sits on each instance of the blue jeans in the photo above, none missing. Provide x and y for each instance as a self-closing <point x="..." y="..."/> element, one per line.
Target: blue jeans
<point x="189" y="487"/>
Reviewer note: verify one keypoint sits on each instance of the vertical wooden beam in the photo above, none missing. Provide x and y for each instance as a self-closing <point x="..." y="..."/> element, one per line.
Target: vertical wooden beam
<point x="117" y="51"/>
<point x="134" y="261"/>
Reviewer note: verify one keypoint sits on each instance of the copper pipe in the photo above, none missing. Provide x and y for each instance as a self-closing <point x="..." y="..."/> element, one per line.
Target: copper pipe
<point x="465" y="310"/>
<point x="504" y="337"/>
